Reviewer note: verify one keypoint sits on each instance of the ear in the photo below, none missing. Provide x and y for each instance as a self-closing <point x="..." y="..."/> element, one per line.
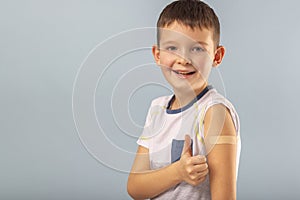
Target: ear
<point x="219" y="55"/>
<point x="156" y="54"/>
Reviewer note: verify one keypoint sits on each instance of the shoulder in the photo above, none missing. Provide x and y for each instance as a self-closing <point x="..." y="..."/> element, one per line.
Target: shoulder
<point x="218" y="119"/>
<point x="214" y="97"/>
<point x="218" y="108"/>
<point x="158" y="105"/>
<point x="161" y="101"/>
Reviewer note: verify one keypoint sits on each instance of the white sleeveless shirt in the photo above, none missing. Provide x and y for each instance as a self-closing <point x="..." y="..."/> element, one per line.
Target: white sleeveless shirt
<point x="164" y="134"/>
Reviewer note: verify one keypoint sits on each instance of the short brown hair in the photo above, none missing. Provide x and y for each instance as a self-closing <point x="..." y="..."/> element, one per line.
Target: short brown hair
<point x="191" y="13"/>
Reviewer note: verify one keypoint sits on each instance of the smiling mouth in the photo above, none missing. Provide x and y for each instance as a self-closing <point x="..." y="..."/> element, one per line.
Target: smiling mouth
<point x="184" y="73"/>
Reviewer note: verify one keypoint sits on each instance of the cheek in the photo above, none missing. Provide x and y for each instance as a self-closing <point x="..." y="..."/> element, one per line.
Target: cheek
<point x="203" y="66"/>
<point x="167" y="60"/>
<point x="200" y="64"/>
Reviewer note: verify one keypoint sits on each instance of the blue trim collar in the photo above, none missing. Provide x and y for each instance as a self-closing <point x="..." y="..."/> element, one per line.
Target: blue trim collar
<point x="202" y="93"/>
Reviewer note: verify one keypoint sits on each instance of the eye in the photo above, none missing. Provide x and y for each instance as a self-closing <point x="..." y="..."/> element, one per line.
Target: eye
<point x="197" y="49"/>
<point x="171" y="48"/>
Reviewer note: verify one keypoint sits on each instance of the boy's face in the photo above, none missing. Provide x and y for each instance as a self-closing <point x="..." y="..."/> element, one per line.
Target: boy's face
<point x="186" y="56"/>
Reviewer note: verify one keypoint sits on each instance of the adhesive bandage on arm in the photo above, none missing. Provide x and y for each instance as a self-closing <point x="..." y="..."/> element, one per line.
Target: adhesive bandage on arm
<point x="223" y="139"/>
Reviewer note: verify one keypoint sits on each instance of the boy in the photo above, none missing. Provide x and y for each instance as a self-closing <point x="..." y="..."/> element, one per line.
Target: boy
<point x="190" y="145"/>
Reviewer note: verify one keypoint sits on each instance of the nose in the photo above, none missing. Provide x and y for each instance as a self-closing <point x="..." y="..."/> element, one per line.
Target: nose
<point x="183" y="57"/>
<point x="183" y="61"/>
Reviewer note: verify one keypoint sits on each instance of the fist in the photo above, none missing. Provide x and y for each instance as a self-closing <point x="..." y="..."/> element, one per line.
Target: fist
<point x="191" y="169"/>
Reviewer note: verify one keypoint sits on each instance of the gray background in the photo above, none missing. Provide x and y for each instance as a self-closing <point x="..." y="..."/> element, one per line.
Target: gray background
<point x="42" y="46"/>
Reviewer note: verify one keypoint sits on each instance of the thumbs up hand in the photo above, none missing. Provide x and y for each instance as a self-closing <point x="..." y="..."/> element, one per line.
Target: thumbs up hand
<point x="191" y="169"/>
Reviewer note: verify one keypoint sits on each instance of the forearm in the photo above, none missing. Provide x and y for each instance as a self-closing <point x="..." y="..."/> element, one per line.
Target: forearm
<point x="149" y="184"/>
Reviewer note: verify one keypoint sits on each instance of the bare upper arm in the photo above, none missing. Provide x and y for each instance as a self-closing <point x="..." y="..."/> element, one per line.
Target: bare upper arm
<point x="221" y="157"/>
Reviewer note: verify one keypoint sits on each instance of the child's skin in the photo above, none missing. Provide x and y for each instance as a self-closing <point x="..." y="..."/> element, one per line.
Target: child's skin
<point x="145" y="183"/>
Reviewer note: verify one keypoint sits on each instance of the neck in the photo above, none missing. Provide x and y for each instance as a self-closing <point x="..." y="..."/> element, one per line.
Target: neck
<point x="182" y="98"/>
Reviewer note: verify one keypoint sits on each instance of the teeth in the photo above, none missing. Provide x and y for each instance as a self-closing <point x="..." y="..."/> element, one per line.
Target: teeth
<point x="184" y="73"/>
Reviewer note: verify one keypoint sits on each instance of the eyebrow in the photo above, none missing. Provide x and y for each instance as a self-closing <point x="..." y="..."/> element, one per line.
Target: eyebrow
<point x="169" y="42"/>
<point x="203" y="43"/>
<point x="174" y="41"/>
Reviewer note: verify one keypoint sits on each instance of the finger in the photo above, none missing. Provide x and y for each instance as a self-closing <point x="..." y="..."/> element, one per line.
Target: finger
<point x="199" y="159"/>
<point x="187" y="146"/>
<point x="202" y="173"/>
<point x="199" y="168"/>
<point x="202" y="179"/>
<point x="198" y="176"/>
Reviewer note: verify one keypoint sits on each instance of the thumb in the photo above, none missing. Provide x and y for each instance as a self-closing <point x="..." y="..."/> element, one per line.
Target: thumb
<point x="187" y="146"/>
